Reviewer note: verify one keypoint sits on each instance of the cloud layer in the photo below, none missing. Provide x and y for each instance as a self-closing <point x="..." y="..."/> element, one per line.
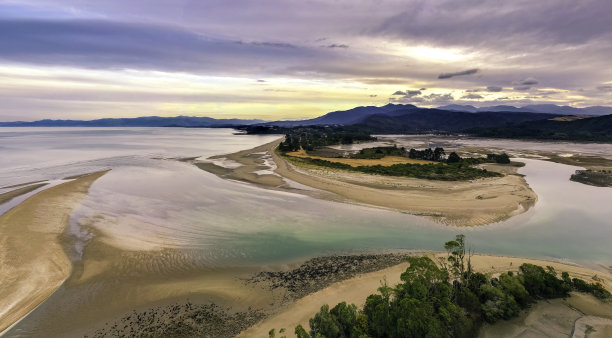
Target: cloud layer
<point x="297" y="58"/>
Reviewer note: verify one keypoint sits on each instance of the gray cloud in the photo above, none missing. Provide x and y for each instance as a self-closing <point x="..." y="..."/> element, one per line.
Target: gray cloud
<point x="465" y="72"/>
<point x="605" y="88"/>
<point x="430" y="99"/>
<point x="472" y="96"/>
<point x="522" y="88"/>
<point x="109" y="45"/>
<point x="334" y="45"/>
<point x="407" y="94"/>
<point x="526" y="82"/>
<point x="494" y="89"/>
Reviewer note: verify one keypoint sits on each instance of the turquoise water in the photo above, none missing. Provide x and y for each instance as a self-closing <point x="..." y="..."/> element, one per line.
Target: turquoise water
<point x="148" y="203"/>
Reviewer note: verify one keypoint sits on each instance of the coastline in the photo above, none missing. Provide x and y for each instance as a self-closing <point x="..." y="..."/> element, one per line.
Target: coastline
<point x="357" y="289"/>
<point x="458" y="203"/>
<point x="32" y="256"/>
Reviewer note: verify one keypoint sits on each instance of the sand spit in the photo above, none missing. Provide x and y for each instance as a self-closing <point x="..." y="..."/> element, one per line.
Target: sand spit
<point x="459" y="203"/>
<point x="355" y="290"/>
<point x="32" y="258"/>
<point x="7" y="196"/>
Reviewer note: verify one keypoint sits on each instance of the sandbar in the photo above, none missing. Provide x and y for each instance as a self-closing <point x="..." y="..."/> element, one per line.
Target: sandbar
<point x="459" y="203"/>
<point x="32" y="258"/>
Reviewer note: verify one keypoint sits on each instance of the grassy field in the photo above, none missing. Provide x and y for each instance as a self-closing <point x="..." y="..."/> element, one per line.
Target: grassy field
<point x="355" y="162"/>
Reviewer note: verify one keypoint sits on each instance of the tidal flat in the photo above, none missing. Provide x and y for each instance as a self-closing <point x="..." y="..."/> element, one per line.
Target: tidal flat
<point x="155" y="232"/>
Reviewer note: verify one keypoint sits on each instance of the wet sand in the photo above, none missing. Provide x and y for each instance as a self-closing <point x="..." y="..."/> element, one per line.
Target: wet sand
<point x="459" y="203"/>
<point x="32" y="257"/>
<point x="356" y="290"/>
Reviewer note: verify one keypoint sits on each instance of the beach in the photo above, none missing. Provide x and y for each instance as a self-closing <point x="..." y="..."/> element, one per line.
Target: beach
<point x="459" y="203"/>
<point x="32" y="257"/>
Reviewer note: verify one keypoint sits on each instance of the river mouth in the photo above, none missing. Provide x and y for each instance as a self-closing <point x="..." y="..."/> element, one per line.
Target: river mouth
<point x="155" y="231"/>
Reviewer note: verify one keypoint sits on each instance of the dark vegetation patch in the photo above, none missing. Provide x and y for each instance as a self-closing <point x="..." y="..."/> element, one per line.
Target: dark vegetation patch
<point x="182" y="320"/>
<point x="451" y="172"/>
<point x="598" y="178"/>
<point x="318" y="273"/>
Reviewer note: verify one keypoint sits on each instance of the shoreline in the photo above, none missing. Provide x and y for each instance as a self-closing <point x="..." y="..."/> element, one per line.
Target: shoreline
<point x="32" y="255"/>
<point x="457" y="203"/>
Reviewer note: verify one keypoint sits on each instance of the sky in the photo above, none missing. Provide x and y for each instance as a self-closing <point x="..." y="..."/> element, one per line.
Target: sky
<point x="272" y="59"/>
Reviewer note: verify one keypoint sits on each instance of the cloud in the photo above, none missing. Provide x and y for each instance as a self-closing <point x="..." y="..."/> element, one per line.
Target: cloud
<point x="522" y="88"/>
<point x="461" y="73"/>
<point x="605" y="88"/>
<point x="494" y="89"/>
<point x="373" y="95"/>
<point x="103" y="44"/>
<point x="261" y="80"/>
<point x="407" y="93"/>
<point x="527" y="82"/>
<point x="430" y="99"/>
<point x="472" y="97"/>
<point x="334" y="45"/>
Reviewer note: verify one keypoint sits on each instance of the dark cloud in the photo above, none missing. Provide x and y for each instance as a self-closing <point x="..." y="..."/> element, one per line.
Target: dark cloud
<point x="605" y="88"/>
<point x="271" y="44"/>
<point x="407" y="93"/>
<point x="526" y="82"/>
<point x="334" y="45"/>
<point x="472" y="97"/>
<point x="475" y="90"/>
<point x="494" y="89"/>
<point x="261" y="80"/>
<point x="373" y="95"/>
<point x="465" y="72"/>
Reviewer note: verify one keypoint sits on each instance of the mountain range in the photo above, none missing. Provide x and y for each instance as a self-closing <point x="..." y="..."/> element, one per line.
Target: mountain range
<point x="535" y="121"/>
<point x="145" y="121"/>
<point x="534" y="108"/>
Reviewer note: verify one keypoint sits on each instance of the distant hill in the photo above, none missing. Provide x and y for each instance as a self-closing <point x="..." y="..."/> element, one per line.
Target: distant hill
<point x="585" y="129"/>
<point x="146" y="121"/>
<point x="534" y="108"/>
<point x="347" y="117"/>
<point x="444" y="121"/>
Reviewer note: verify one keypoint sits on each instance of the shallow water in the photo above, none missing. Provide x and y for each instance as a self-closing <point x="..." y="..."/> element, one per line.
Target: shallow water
<point x="147" y="204"/>
<point x="150" y="204"/>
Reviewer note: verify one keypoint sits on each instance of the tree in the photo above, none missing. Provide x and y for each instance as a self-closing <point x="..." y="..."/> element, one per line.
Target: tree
<point x="453" y="158"/>
<point x="324" y="324"/>
<point x="456" y="256"/>
<point x="438" y="154"/>
<point x="300" y="332"/>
